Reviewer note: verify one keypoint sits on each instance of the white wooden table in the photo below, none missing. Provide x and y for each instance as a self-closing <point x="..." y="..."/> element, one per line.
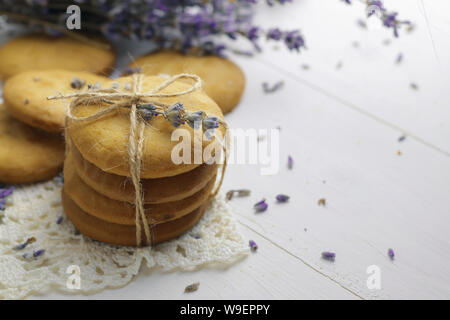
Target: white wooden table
<point x="342" y="127"/>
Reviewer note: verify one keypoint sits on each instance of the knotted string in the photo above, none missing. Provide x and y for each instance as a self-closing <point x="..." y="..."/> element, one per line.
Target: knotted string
<point x="113" y="100"/>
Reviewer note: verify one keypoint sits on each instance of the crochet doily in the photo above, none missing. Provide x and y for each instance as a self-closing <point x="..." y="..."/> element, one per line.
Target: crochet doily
<point x="35" y="212"/>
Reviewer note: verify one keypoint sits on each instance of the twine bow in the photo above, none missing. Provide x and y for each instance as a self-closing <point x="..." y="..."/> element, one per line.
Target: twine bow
<point x="115" y="99"/>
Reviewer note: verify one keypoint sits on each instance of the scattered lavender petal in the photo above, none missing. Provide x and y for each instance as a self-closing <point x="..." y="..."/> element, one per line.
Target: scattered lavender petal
<point x="77" y="83"/>
<point x="38" y="253"/>
<point x="290" y="163"/>
<point x="271" y="89"/>
<point x="391" y="254"/>
<point x="282" y="198"/>
<point x="6" y="192"/>
<point x="261" y="206"/>
<point x="327" y="255"/>
<point x="399" y="58"/>
<point x="401" y="139"/>
<point x="253" y="245"/>
<point x="59" y="220"/>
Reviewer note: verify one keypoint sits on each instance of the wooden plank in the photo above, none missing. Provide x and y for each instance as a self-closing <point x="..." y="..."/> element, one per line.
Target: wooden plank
<point x="376" y="199"/>
<point x="369" y="80"/>
<point x="267" y="274"/>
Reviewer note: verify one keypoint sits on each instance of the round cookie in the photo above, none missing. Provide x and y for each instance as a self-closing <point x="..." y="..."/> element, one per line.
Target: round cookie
<point x="104" y="142"/>
<point x="42" y="52"/>
<point x="25" y="96"/>
<point x="124" y="213"/>
<point x="222" y="79"/>
<point x="26" y="154"/>
<point x="117" y="234"/>
<point x="154" y="190"/>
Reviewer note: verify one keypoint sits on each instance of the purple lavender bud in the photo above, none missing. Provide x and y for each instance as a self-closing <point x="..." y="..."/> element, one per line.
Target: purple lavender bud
<point x="282" y="198"/>
<point x="147" y="111"/>
<point x="274" y="34"/>
<point x="194" y="119"/>
<point x="2" y="204"/>
<point x="6" y="192"/>
<point x="59" y="220"/>
<point x="77" y="83"/>
<point x="290" y="163"/>
<point x="328" y="255"/>
<point x="173" y="114"/>
<point x="391" y="254"/>
<point x="261" y="206"/>
<point x="253" y="246"/>
<point x="38" y="253"/>
<point x="208" y="125"/>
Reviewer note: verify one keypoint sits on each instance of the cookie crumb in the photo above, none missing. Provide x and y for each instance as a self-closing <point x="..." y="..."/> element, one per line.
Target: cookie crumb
<point x="322" y="202"/>
<point x="192" y="287"/>
<point x="414" y="86"/>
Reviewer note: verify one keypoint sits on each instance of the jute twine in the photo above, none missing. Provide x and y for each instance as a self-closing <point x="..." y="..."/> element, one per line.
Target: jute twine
<point x="113" y="99"/>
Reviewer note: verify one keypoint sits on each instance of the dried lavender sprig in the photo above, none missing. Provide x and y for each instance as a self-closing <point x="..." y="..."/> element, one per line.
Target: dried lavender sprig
<point x="178" y="24"/>
<point x="388" y="18"/>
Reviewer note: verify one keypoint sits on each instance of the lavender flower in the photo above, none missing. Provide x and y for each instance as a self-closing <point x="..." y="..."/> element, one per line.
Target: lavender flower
<point x="282" y="198"/>
<point x="59" y="220"/>
<point x="270" y="89"/>
<point x="290" y="162"/>
<point x="194" y="119"/>
<point x="389" y="19"/>
<point x="391" y="254"/>
<point x="6" y="192"/>
<point x="327" y="255"/>
<point x="77" y="83"/>
<point x="208" y="126"/>
<point x="253" y="246"/>
<point x="174" y="114"/>
<point x="180" y="25"/>
<point x="38" y="253"/>
<point x="261" y="206"/>
<point x="147" y="111"/>
<point x="25" y="244"/>
<point x="2" y="204"/>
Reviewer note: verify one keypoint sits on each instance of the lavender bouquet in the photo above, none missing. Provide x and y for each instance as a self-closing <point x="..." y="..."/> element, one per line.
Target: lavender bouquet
<point x="203" y="25"/>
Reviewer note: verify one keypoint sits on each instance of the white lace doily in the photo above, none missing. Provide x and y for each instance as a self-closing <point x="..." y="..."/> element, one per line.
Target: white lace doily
<point x="35" y="212"/>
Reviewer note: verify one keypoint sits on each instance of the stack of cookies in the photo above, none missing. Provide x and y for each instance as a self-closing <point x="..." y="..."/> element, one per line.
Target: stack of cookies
<point x="99" y="196"/>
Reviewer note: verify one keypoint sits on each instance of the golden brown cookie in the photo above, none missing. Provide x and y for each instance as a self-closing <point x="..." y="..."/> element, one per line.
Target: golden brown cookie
<point x="223" y="80"/>
<point x="42" y="52"/>
<point x="154" y="190"/>
<point x="25" y="95"/>
<point x="118" y="234"/>
<point x="124" y="213"/>
<point x="104" y="142"/>
<point x="27" y="154"/>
